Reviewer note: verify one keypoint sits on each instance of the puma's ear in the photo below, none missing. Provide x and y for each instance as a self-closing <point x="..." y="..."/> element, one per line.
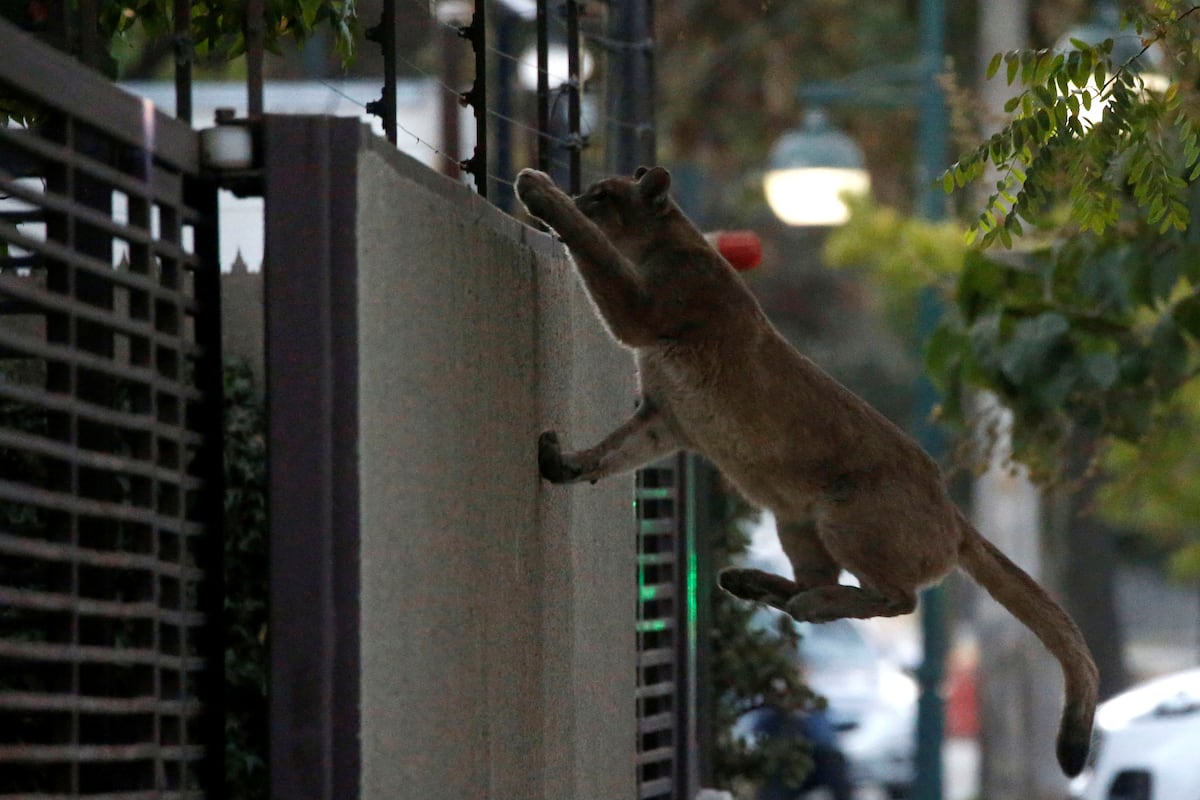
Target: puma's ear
<point x="653" y="184"/>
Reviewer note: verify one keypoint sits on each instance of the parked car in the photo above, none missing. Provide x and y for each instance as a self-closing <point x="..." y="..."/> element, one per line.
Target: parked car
<point x="1146" y="744"/>
<point x="872" y="703"/>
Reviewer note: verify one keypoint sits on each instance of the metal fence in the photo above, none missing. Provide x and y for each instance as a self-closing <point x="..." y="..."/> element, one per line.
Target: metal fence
<point x="109" y="442"/>
<point x="666" y="633"/>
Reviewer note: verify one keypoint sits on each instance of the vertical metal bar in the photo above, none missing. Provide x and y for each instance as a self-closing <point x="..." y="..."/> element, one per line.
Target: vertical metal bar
<point x="91" y="52"/>
<point x="932" y="122"/>
<point x="931" y="155"/>
<point x="631" y="141"/>
<point x="505" y="43"/>
<point x="575" y="141"/>
<point x="255" y="23"/>
<point x="384" y="34"/>
<point x="202" y="196"/>
<point x="543" y="88"/>
<point x="451" y="136"/>
<point x="686" y="619"/>
<point x="647" y="139"/>
<point x="476" y="97"/>
<point x="61" y="379"/>
<point x="312" y="416"/>
<point x="184" y="53"/>
<point x="389" y="69"/>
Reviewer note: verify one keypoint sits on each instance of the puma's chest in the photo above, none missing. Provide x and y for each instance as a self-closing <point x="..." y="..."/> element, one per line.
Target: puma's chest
<point x="720" y="410"/>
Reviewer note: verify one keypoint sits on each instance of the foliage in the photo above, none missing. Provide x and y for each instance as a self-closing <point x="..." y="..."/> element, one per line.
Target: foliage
<point x="245" y="586"/>
<point x="1094" y="323"/>
<point x="904" y="255"/>
<point x="218" y="26"/>
<point x="752" y="668"/>
<point x="217" y="32"/>
<point x="1097" y="333"/>
<point x="1144" y="139"/>
<point x="1158" y="495"/>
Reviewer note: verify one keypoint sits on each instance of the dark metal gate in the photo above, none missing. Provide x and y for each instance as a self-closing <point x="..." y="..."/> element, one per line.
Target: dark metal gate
<point x="110" y="459"/>
<point x="667" y="633"/>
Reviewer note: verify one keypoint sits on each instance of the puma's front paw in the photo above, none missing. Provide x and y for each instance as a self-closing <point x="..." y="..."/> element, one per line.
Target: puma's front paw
<point x="551" y="463"/>
<point x="535" y="190"/>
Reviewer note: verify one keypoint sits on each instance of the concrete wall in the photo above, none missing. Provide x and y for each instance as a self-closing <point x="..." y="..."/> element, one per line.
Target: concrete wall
<point x="497" y="612"/>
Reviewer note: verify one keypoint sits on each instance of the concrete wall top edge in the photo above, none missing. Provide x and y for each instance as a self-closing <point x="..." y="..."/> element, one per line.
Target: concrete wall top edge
<point x="544" y="244"/>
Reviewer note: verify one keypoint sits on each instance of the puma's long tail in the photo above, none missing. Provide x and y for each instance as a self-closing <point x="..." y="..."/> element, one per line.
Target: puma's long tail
<point x="1029" y="602"/>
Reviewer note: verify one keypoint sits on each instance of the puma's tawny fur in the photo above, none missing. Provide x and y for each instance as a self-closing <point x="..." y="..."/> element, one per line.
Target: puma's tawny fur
<point x="849" y="490"/>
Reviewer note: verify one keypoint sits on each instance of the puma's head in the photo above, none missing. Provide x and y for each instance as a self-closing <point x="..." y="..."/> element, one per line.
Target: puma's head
<point x="632" y="212"/>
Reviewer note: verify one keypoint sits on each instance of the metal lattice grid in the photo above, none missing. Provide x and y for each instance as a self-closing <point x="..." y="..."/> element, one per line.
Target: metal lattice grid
<point x="662" y="634"/>
<point x="109" y="441"/>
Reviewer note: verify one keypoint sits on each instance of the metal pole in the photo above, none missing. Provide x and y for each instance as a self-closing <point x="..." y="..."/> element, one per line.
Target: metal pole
<point x="184" y="53"/>
<point x="451" y="144"/>
<point x="932" y="122"/>
<point x="543" y="88"/>
<point x="505" y="43"/>
<point x="931" y="157"/>
<point x="630" y="110"/>
<point x="384" y="34"/>
<point x="254" y="26"/>
<point x="574" y="139"/>
<point x="476" y="97"/>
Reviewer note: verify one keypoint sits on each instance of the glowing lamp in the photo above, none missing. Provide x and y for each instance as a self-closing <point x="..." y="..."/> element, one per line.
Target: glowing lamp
<point x="811" y="171"/>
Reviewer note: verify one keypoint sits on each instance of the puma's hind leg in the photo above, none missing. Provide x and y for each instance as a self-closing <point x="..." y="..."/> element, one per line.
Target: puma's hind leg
<point x="642" y="438"/>
<point x="757" y="586"/>
<point x="811" y="564"/>
<point x="827" y="603"/>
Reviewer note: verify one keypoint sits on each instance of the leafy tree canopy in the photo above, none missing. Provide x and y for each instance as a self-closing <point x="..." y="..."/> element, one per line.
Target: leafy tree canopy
<point x="1075" y="296"/>
<point x="1093" y="322"/>
<point x="1083" y="124"/>
<point x="217" y="26"/>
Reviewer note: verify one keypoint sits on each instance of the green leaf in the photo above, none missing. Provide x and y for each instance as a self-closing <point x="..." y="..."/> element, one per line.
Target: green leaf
<point x="1187" y="315"/>
<point x="978" y="285"/>
<point x="1103" y="284"/>
<point x="1101" y="369"/>
<point x="1032" y="353"/>
<point x="994" y="65"/>
<point x="1170" y="352"/>
<point x="1129" y="414"/>
<point x="984" y="336"/>
<point x="944" y="349"/>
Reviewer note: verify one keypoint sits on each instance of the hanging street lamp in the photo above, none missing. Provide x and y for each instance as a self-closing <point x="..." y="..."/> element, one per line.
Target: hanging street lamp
<point x="811" y="172"/>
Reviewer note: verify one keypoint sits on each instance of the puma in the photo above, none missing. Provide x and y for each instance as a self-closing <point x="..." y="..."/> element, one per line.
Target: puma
<point x="849" y="489"/>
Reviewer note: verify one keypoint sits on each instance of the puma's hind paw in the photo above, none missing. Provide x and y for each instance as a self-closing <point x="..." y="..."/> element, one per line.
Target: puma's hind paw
<point x="756" y="586"/>
<point x="551" y="463"/>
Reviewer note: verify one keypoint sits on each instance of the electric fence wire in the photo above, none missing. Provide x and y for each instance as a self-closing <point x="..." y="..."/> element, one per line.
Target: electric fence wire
<point x="604" y="42"/>
<point x="449" y="159"/>
<point x="563" y="143"/>
<point x="579" y="140"/>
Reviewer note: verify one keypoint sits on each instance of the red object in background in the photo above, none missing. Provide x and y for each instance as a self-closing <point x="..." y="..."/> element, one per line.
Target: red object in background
<point x="962" y="699"/>
<point x="742" y="249"/>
